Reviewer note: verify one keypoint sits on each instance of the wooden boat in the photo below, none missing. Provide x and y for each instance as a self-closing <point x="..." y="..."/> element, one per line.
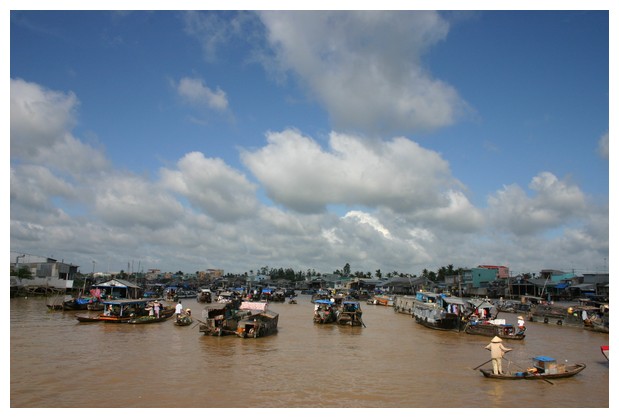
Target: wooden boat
<point x="544" y="368"/>
<point x="120" y="311"/>
<point x="95" y="306"/>
<point x="320" y="295"/>
<point x="437" y="311"/>
<point x="493" y="328"/>
<point x="183" y="320"/>
<point x="384" y="300"/>
<point x="324" y="311"/>
<point x="259" y="323"/>
<point x="220" y="319"/>
<point x="204" y="296"/>
<point x="402" y="304"/>
<point x="70" y="303"/>
<point x="278" y="296"/>
<point x="349" y="313"/>
<point x="164" y="315"/>
<point x="524" y="305"/>
<point x="573" y="316"/>
<point x="147" y="319"/>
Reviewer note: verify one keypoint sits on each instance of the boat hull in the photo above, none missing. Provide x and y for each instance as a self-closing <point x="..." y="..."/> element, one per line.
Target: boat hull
<point x="258" y="325"/>
<point x="570" y="370"/>
<point x="491" y="330"/>
<point x="445" y="324"/>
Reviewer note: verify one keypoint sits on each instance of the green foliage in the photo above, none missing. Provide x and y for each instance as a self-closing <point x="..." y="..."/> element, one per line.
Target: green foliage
<point x="22" y="273"/>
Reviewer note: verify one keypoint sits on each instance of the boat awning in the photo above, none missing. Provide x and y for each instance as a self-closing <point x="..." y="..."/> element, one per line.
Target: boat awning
<point x="325" y="301"/>
<point x="254" y="306"/>
<point x="454" y="301"/>
<point x="483" y="304"/>
<point x="127" y="301"/>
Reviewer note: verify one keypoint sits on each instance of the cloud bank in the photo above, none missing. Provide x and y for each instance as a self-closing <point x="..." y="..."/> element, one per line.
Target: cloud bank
<point x="391" y="205"/>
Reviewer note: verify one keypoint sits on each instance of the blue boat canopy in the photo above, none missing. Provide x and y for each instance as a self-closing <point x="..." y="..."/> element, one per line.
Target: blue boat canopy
<point x="543" y="358"/>
<point x="328" y="302"/>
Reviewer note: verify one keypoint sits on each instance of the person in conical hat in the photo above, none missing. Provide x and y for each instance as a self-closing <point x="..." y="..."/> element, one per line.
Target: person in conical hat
<point x="521" y="327"/>
<point x="497" y="350"/>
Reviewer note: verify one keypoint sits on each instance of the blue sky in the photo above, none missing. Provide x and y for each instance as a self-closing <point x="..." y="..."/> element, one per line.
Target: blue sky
<point x="397" y="141"/>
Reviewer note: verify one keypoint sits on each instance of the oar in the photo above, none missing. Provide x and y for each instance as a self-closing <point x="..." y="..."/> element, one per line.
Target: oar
<point x="485" y="362"/>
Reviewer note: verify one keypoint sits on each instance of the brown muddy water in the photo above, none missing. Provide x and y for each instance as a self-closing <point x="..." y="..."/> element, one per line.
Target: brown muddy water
<point x="56" y="362"/>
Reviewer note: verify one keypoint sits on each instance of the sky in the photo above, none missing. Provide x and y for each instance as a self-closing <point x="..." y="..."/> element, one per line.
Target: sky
<point x="389" y="140"/>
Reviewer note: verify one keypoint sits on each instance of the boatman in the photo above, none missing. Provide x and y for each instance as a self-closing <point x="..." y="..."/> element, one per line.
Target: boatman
<point x="179" y="309"/>
<point x="497" y="350"/>
<point x="521" y="324"/>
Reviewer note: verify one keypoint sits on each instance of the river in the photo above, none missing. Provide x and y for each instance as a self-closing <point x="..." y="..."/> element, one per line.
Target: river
<point x="393" y="362"/>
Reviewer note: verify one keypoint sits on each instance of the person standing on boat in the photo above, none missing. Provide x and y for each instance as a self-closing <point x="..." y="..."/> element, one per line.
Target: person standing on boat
<point x="156" y="306"/>
<point x="179" y="309"/>
<point x="497" y="350"/>
<point x="521" y="324"/>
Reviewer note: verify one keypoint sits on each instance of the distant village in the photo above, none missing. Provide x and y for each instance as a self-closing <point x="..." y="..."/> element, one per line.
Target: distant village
<point x="43" y="275"/>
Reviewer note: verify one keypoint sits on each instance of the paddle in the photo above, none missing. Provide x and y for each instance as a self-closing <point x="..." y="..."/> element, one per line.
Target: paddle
<point x="485" y="362"/>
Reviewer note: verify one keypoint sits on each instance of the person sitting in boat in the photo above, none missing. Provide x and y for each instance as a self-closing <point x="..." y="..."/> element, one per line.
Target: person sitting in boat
<point x="497" y="350"/>
<point x="188" y="312"/>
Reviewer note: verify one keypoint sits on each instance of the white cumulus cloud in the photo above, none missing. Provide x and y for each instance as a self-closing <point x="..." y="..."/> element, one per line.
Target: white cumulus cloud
<point x="194" y="91"/>
<point x="366" y="66"/>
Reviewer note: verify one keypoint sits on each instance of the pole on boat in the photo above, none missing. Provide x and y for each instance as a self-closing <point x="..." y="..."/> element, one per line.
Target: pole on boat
<point x="485" y="362"/>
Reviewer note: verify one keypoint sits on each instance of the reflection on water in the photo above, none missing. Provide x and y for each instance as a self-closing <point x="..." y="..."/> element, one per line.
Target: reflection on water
<point x="393" y="362"/>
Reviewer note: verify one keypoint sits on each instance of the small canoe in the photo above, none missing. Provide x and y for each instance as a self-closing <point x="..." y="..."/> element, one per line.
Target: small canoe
<point x="569" y="371"/>
<point x="183" y="321"/>
<point x="147" y="319"/>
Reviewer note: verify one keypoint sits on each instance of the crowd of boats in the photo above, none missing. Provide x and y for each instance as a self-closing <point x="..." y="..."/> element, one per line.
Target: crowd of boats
<point x="248" y="315"/>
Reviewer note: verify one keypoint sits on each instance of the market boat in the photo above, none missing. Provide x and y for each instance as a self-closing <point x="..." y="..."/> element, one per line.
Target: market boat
<point x="525" y="304"/>
<point x="79" y="303"/>
<point x="324" y="311"/>
<point x="544" y="368"/>
<point x="384" y="300"/>
<point x="494" y="327"/>
<point x="150" y="317"/>
<point x="204" y="296"/>
<point x="402" y="304"/>
<point x="220" y="319"/>
<point x="320" y="294"/>
<point x="580" y="316"/>
<point x="437" y="311"/>
<point x="278" y="296"/>
<point x="349" y="313"/>
<point x="183" y="320"/>
<point x="260" y="321"/>
<point x="120" y="311"/>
